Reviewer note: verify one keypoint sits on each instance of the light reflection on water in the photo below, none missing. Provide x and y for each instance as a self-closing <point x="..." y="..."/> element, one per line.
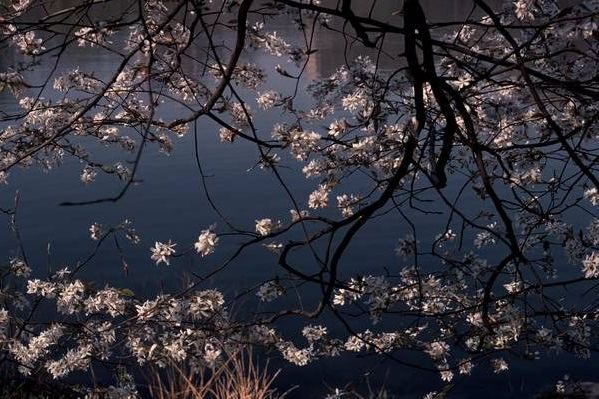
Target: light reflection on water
<point x="170" y="204"/>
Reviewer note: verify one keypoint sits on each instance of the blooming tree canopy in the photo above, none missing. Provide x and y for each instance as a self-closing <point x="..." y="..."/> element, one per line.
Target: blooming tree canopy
<point x="497" y="109"/>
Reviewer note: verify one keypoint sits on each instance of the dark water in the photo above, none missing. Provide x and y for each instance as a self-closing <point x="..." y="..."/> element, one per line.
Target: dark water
<point x="170" y="204"/>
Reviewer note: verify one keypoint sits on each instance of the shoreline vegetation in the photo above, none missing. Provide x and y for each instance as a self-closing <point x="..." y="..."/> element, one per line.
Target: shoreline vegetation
<point x="237" y="376"/>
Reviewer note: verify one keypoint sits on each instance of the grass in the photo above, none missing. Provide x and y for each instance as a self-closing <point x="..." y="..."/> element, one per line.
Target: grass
<point x="237" y="377"/>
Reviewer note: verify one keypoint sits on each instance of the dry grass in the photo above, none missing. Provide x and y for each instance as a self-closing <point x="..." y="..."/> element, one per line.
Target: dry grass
<point x="238" y="377"/>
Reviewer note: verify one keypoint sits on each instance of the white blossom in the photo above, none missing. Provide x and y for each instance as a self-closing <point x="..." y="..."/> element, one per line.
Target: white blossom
<point x="266" y="226"/>
<point x="499" y="365"/>
<point x="270" y="291"/>
<point x="590" y="265"/>
<point x="95" y="231"/>
<point x="88" y="175"/>
<point x="268" y="99"/>
<point x="161" y="252"/>
<point x="29" y="43"/>
<point x="592" y="195"/>
<point x="207" y="242"/>
<point x="319" y="198"/>
<point x="19" y="268"/>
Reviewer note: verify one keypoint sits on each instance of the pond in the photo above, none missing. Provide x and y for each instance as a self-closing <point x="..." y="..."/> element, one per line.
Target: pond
<point x="169" y="202"/>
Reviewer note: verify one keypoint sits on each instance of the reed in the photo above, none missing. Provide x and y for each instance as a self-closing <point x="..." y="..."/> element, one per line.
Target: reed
<point x="238" y="376"/>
